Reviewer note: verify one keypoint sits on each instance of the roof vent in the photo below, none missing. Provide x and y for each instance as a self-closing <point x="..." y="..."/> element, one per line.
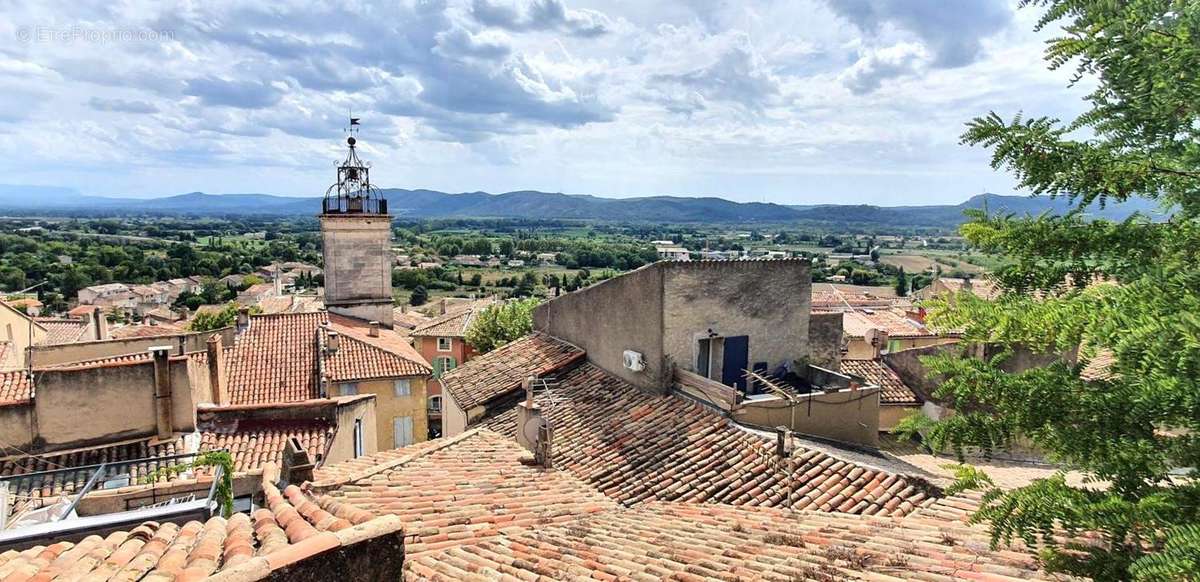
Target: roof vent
<point x="332" y="342"/>
<point x="634" y="361"/>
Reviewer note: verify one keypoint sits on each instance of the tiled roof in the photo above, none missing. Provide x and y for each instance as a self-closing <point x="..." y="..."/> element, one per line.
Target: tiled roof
<point x="634" y="447"/>
<point x="255" y="442"/>
<point x="455" y="321"/>
<point x="501" y="370"/>
<point x="28" y="494"/>
<point x="136" y="331"/>
<point x="62" y="331"/>
<point x="452" y="490"/>
<point x="289" y="530"/>
<point x="362" y="356"/>
<point x="684" y="541"/>
<point x="893" y="390"/>
<point x="982" y="288"/>
<point x="856" y="323"/>
<point x="275" y="360"/>
<point x="1099" y="367"/>
<point x="8" y="357"/>
<point x="81" y="310"/>
<point x="408" y="319"/>
<point x="15" y="387"/>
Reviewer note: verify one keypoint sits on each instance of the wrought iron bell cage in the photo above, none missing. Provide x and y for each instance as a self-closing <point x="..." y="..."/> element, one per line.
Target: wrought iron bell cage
<point x="353" y="193"/>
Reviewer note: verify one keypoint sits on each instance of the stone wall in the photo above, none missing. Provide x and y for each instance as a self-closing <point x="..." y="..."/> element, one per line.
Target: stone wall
<point x="767" y="300"/>
<point x="94" y="350"/>
<point x="605" y="319"/>
<point x="848" y="416"/>
<point x="825" y="340"/>
<point x="358" y="265"/>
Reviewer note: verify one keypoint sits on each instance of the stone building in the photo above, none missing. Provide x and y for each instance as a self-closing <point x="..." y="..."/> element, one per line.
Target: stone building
<point x="356" y="232"/>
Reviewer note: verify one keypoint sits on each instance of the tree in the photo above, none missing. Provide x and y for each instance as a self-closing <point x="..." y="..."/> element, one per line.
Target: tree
<point x="1134" y="421"/>
<point x="419" y="296"/>
<point x="501" y="323"/>
<point x="210" y="320"/>
<point x="901" y="283"/>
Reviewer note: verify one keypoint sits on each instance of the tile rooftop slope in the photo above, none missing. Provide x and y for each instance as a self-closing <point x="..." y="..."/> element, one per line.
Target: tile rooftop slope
<point x="398" y="356"/>
<point x="15" y="387"/>
<point x="893" y="390"/>
<point x="635" y="447"/>
<point x="857" y="322"/>
<point x="138" y="358"/>
<point x="81" y="310"/>
<point x="136" y="331"/>
<point x="450" y="491"/>
<point x="1099" y="367"/>
<point x="8" y="357"/>
<point x="408" y="318"/>
<point x="983" y="288"/>
<point x="275" y="360"/>
<point x="254" y="443"/>
<point x="685" y="541"/>
<point x="502" y="370"/>
<point x="290" y="529"/>
<point x="454" y="323"/>
<point x="62" y="331"/>
<point x="53" y="485"/>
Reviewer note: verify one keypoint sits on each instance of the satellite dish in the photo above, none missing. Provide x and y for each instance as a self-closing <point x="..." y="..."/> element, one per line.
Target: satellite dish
<point x="529" y="430"/>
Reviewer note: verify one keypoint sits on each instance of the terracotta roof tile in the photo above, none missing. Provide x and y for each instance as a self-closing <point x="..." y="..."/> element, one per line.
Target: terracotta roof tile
<point x="454" y="323"/>
<point x="856" y="323"/>
<point x="15" y="387"/>
<point x="28" y="494"/>
<point x="291" y="528"/>
<point x="136" y="331"/>
<point x="450" y="491"/>
<point x="502" y="370"/>
<point x="255" y="442"/>
<point x="635" y="447"/>
<point x="62" y="331"/>
<point x="684" y="541"/>
<point x="893" y="390"/>
<point x="275" y="360"/>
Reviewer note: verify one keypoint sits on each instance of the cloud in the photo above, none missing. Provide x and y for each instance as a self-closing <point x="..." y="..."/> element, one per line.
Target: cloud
<point x="122" y="105"/>
<point x="953" y="31"/>
<point x="245" y="94"/>
<point x="527" y="15"/>
<point x="875" y="66"/>
<point x="738" y="75"/>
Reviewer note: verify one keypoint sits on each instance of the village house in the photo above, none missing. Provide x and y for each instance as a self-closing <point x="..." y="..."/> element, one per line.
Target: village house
<point x="441" y="340"/>
<point x="870" y="332"/>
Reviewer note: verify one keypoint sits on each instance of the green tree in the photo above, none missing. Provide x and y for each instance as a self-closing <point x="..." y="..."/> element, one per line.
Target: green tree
<point x="208" y="321"/>
<point x="419" y="296"/>
<point x="1138" y="421"/>
<point x="501" y="323"/>
<point x="901" y="283"/>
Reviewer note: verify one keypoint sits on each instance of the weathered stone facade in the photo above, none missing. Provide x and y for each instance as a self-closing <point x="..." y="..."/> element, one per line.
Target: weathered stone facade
<point x="358" y="265"/>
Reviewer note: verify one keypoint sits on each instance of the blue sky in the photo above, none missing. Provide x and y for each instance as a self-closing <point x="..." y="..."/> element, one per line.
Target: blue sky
<point x="801" y="101"/>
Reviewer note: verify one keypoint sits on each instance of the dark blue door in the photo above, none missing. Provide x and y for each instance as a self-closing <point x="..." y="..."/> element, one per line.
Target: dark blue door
<point x="737" y="357"/>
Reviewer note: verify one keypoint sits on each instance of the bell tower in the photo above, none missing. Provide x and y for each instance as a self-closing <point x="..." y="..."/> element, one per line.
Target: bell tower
<point x="356" y="232"/>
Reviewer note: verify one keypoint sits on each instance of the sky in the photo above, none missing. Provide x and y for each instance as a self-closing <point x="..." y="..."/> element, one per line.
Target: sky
<point x="795" y="101"/>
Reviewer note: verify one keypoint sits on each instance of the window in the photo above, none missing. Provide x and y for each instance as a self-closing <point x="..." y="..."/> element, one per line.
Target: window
<point x="359" y="449"/>
<point x="348" y="388"/>
<point x="435" y="403"/>
<point x="403" y="431"/>
<point x="443" y="344"/>
<point x="443" y="364"/>
<point x="402" y="387"/>
<point x="893" y="345"/>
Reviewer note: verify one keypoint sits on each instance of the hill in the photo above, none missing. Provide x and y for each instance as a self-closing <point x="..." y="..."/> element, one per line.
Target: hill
<point x="530" y="204"/>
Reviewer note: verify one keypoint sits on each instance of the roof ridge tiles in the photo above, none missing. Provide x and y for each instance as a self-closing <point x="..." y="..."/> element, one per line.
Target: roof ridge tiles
<point x="374" y="469"/>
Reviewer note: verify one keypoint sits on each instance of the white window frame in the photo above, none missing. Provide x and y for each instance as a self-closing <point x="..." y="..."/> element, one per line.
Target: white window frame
<point x="402" y="392"/>
<point x="449" y="344"/>
<point x="435" y="403"/>
<point x="359" y="446"/>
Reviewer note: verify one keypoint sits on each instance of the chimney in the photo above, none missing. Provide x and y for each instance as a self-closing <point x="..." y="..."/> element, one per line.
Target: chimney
<point x="216" y="370"/>
<point x="783" y="442"/>
<point x="443" y="307"/>
<point x="297" y="466"/>
<point x="243" y="319"/>
<point x="162" y="391"/>
<point x="278" y="281"/>
<point x="99" y="325"/>
<point x="332" y="342"/>
<point x="404" y="309"/>
<point x="373" y="329"/>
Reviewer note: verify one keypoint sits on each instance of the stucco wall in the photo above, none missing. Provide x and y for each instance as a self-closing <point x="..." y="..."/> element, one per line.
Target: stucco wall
<point x="889" y="416"/>
<point x="15" y="328"/>
<point x="825" y="340"/>
<point x="342" y="447"/>
<point x="459" y="350"/>
<point x="605" y="319"/>
<point x="769" y="301"/>
<point x="16" y="424"/>
<point x="79" y="407"/>
<point x="850" y="416"/>
<point x="454" y="419"/>
<point x="83" y="351"/>
<point x="389" y="406"/>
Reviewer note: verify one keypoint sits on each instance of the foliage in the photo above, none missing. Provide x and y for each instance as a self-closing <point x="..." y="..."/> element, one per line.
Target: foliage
<point x="210" y="320"/>
<point x="419" y="296"/>
<point x="222" y="459"/>
<point x="1125" y="291"/>
<point x="501" y="323"/>
<point x="901" y="283"/>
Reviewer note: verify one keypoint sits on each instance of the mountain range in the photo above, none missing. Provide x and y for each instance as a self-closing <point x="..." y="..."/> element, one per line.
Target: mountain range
<point x="529" y="204"/>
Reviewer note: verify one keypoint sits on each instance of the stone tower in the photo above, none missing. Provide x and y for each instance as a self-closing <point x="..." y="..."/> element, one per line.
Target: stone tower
<point x="356" y="231"/>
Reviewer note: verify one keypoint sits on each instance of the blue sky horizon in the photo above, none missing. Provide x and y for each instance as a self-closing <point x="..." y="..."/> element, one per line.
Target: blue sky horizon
<point x="791" y="102"/>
